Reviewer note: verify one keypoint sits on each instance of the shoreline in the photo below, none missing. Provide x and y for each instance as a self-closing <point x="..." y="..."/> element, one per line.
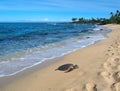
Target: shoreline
<point x="33" y="78"/>
<point x="67" y="46"/>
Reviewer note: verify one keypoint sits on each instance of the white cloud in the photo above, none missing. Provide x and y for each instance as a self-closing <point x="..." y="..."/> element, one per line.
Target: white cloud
<point x="45" y="19"/>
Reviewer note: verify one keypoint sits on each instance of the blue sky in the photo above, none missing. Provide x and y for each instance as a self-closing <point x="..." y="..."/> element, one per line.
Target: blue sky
<point x="55" y="10"/>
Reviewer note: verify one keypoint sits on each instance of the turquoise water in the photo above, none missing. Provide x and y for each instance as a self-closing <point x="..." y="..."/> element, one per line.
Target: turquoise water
<point x="23" y="45"/>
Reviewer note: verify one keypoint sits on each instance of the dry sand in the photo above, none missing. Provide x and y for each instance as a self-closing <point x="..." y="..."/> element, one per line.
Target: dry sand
<point x="99" y="70"/>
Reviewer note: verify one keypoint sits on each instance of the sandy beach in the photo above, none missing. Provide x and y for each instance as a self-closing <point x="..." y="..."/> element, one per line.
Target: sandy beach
<point x="99" y="70"/>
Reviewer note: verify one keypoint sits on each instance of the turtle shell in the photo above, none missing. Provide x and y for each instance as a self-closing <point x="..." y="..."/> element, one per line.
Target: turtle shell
<point x="65" y="67"/>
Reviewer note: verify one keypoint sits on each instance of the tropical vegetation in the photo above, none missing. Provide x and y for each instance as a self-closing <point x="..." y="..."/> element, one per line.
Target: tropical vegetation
<point x="114" y="18"/>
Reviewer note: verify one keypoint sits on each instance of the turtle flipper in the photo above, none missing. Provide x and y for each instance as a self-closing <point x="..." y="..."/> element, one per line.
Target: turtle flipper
<point x="68" y="70"/>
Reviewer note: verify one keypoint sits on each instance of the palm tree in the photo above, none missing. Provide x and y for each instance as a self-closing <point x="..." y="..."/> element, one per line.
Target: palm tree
<point x="111" y="13"/>
<point x="74" y="19"/>
<point x="81" y="20"/>
<point x="117" y="12"/>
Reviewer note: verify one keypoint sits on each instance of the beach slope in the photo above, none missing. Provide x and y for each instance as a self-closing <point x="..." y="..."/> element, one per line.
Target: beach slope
<point x="99" y="66"/>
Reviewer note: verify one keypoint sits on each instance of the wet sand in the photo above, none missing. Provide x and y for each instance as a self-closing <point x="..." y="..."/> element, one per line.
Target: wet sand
<point x="99" y="70"/>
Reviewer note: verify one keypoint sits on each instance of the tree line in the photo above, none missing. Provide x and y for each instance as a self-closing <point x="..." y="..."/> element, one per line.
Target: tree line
<point x="114" y="19"/>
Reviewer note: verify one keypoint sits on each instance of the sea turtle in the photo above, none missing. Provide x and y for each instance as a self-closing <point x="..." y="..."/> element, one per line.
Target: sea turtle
<point x="67" y="67"/>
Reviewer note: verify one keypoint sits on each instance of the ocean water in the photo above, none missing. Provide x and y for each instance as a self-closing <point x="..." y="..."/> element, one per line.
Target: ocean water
<point x="23" y="45"/>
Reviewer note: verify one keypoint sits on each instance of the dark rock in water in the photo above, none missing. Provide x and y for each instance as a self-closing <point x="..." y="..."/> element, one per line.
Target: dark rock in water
<point x="101" y="29"/>
<point x="87" y="37"/>
<point x="85" y="30"/>
<point x="67" y="67"/>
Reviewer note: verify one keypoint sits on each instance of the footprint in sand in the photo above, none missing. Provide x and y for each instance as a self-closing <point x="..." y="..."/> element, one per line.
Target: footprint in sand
<point x="107" y="76"/>
<point x="116" y="87"/>
<point x="116" y="76"/>
<point x="112" y="63"/>
<point x="107" y="66"/>
<point x="115" y="61"/>
<point x="110" y="53"/>
<point x="91" y="87"/>
<point x="114" y="45"/>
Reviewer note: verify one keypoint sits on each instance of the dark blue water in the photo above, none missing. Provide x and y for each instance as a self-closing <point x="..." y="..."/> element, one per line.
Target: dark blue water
<point x="20" y="36"/>
<point x="23" y="45"/>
